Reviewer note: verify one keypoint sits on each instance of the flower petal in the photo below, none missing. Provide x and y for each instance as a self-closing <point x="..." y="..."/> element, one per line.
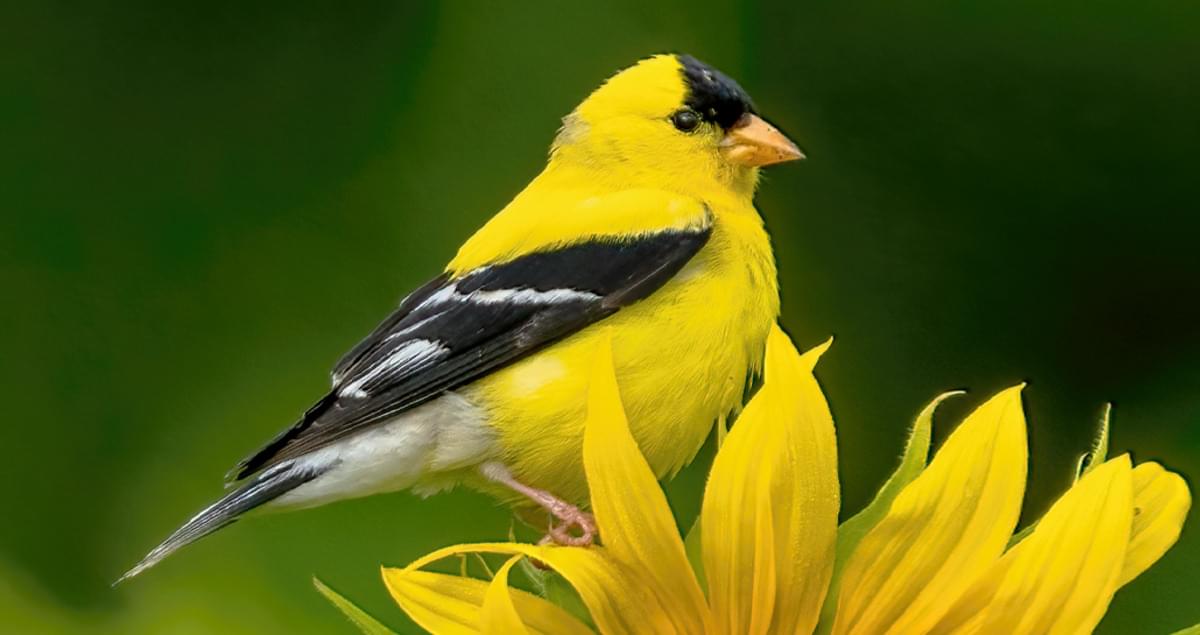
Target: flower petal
<point x="942" y="530"/>
<point x="615" y="594"/>
<point x="498" y="615"/>
<point x="1160" y="505"/>
<point x="447" y="604"/>
<point x="451" y="604"/>
<point x="439" y="603"/>
<point x="631" y="510"/>
<point x="851" y="532"/>
<point x="1062" y="578"/>
<point x="780" y="460"/>
<point x="763" y="583"/>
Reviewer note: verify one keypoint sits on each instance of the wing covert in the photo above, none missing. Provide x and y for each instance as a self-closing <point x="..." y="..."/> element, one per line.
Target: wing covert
<point x="453" y="331"/>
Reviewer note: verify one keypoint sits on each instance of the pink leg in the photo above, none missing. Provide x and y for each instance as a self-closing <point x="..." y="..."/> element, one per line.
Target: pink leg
<point x="567" y="514"/>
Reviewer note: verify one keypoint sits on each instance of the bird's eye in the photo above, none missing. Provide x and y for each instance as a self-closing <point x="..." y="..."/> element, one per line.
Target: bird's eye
<point x="685" y="119"/>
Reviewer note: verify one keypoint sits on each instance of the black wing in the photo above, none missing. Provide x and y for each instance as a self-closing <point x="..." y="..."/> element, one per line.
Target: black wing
<point x="451" y="332"/>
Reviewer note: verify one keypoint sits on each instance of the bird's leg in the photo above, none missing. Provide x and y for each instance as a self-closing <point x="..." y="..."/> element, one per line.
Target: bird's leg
<point x="567" y="514"/>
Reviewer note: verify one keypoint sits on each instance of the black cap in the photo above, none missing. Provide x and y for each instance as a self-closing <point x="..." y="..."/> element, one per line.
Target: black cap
<point x="712" y="94"/>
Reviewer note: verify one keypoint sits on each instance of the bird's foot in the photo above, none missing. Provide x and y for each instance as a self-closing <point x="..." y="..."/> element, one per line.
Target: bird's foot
<point x="567" y="515"/>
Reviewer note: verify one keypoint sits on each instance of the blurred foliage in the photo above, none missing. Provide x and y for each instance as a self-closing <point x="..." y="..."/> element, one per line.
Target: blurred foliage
<point x="204" y="205"/>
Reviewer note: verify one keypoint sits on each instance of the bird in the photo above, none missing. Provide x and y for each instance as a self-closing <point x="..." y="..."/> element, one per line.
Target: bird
<point x="642" y="231"/>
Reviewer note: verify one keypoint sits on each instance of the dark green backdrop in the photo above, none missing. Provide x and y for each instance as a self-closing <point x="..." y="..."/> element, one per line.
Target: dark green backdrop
<point x="203" y="207"/>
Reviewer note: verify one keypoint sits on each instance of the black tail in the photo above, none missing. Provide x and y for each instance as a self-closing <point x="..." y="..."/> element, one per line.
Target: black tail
<point x="262" y="457"/>
<point x="261" y="489"/>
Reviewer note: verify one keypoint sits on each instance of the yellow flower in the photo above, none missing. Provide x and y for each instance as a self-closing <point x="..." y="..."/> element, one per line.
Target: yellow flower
<point x="933" y="553"/>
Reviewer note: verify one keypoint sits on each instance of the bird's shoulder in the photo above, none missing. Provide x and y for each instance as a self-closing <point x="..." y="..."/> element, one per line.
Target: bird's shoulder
<point x="549" y="218"/>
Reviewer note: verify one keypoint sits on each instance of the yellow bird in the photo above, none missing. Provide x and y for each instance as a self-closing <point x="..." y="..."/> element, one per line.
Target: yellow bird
<point x="642" y="225"/>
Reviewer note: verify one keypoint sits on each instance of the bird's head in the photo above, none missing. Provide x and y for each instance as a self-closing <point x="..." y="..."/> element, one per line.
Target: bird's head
<point x="672" y="121"/>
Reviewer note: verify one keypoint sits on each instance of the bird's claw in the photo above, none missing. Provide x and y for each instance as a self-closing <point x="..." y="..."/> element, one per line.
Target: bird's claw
<point x="566" y="514"/>
<point x="568" y="517"/>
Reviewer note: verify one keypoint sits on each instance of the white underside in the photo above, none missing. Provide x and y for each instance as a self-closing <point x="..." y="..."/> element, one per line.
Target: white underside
<point x="421" y="449"/>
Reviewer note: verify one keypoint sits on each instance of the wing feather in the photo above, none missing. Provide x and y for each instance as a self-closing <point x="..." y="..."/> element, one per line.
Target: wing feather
<point x="453" y="331"/>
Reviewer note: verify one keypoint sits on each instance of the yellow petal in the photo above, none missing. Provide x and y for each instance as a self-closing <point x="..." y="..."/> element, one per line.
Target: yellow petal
<point x="631" y="510"/>
<point x="1062" y="577"/>
<point x="446" y="604"/>
<point x="943" y="529"/>
<point x="780" y="460"/>
<point x="763" y="584"/>
<point x="851" y="532"/>
<point x="615" y="595"/>
<point x="499" y="616"/>
<point x="1160" y="505"/>
<point x="441" y="604"/>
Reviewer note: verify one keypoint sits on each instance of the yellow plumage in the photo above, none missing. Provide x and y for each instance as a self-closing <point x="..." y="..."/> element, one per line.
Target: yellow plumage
<point x="682" y="355"/>
<point x="641" y="227"/>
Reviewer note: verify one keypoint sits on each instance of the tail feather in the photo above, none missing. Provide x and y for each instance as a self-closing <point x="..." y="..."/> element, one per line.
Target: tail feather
<point x="261" y="489"/>
<point x="263" y="456"/>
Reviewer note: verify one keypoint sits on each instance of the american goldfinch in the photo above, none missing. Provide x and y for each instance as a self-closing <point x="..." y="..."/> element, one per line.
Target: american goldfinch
<point x="641" y="228"/>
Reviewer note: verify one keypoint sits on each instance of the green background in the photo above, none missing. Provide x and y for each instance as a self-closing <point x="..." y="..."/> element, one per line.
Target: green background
<point x="203" y="207"/>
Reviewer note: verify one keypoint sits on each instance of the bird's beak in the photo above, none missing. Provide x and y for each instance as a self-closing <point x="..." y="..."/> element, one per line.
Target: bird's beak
<point x="754" y="142"/>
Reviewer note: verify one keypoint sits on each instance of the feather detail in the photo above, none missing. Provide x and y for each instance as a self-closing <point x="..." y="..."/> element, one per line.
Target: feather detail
<point x="451" y="333"/>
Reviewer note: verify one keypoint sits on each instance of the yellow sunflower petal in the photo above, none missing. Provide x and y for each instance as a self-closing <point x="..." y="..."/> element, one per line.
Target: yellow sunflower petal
<point x="441" y="604"/>
<point x="769" y="518"/>
<point x="1160" y="505"/>
<point x="851" y="532"/>
<point x="498" y="615"/>
<point x="631" y="510"/>
<point x="446" y="604"/>
<point x="1063" y="576"/>
<point x="763" y="583"/>
<point x="943" y="530"/>
<point x="451" y="604"/>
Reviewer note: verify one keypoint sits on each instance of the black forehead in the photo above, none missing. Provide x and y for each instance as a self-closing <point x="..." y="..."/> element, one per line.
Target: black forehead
<point x="712" y="94"/>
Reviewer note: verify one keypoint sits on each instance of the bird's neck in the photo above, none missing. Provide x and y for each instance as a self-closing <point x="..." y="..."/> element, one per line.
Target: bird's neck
<point x="715" y="183"/>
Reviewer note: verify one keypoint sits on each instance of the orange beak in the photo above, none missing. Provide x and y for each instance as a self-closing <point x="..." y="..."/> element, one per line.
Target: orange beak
<point x="754" y="142"/>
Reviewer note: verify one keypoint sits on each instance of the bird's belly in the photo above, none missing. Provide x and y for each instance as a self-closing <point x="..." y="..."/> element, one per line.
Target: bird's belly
<point x="682" y="359"/>
<point x="425" y="449"/>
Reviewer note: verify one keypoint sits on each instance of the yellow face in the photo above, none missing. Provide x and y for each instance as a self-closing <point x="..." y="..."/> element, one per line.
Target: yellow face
<point x="676" y="122"/>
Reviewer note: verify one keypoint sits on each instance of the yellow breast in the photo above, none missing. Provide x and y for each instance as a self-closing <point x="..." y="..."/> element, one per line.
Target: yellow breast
<point x="682" y="357"/>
